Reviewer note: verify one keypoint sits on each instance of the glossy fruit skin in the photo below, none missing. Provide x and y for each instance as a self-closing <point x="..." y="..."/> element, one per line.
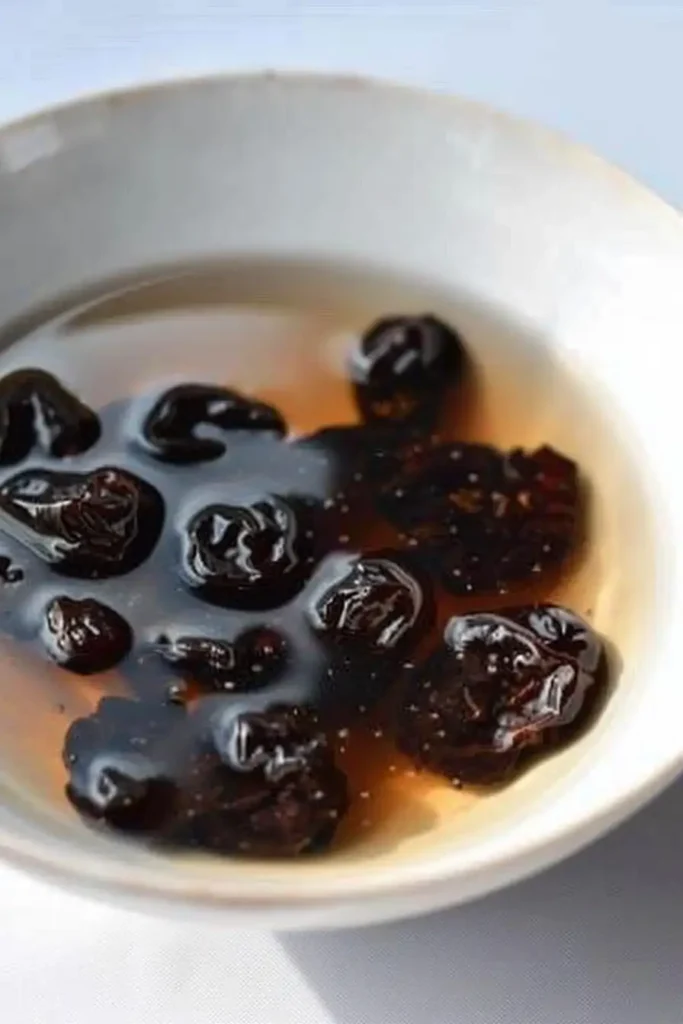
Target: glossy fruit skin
<point x="182" y="425"/>
<point x="372" y="601"/>
<point x="37" y="412"/>
<point x="254" y="659"/>
<point x="501" y="687"/>
<point x="484" y="520"/>
<point x="369" y="612"/>
<point x="263" y="784"/>
<point x="117" y="775"/>
<point x="91" y="525"/>
<point x="278" y="792"/>
<point x="255" y="554"/>
<point x="402" y="368"/>
<point x="83" y="635"/>
<point x="564" y="632"/>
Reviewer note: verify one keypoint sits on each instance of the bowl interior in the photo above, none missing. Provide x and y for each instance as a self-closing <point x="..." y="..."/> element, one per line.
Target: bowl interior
<point x="286" y="214"/>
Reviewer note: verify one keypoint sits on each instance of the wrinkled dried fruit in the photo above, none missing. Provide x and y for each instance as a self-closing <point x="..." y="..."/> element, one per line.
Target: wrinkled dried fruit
<point x="485" y="520"/>
<point x="191" y="422"/>
<point x="85" y="636"/>
<point x="562" y="631"/>
<point x="115" y="773"/>
<point x="374" y="602"/>
<point x="263" y="783"/>
<point x="253" y="555"/>
<point x="501" y="687"/>
<point x="369" y="612"/>
<point x="92" y="525"/>
<point x="402" y="367"/>
<point x="278" y="791"/>
<point x="253" y="660"/>
<point x="37" y="411"/>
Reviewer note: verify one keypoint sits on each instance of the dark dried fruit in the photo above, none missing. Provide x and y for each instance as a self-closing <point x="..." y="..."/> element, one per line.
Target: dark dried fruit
<point x="85" y="636"/>
<point x="369" y="612"/>
<point x="124" y="790"/>
<point x="374" y="602"/>
<point x="267" y="784"/>
<point x="253" y="555"/>
<point x="500" y="688"/>
<point x="562" y="631"/>
<point x="116" y="773"/>
<point x="402" y="367"/>
<point x="253" y="660"/>
<point x="485" y="520"/>
<point x="93" y="525"/>
<point x="278" y="791"/>
<point x="191" y="422"/>
<point x="357" y="459"/>
<point x="37" y="411"/>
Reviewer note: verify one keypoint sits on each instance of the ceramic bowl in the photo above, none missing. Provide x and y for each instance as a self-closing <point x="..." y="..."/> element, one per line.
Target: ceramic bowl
<point x="564" y="276"/>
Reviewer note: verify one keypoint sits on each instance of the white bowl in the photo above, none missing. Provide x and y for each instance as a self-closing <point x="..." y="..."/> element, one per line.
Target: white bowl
<point x="545" y="257"/>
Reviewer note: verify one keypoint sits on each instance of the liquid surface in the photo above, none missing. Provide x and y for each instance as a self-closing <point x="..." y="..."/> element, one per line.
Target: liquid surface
<point x="118" y="354"/>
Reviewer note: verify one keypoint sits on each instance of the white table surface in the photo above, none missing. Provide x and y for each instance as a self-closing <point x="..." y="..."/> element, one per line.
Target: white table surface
<point x="598" y="940"/>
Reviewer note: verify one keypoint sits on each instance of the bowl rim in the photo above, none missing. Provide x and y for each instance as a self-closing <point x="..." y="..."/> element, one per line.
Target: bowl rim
<point x="429" y="879"/>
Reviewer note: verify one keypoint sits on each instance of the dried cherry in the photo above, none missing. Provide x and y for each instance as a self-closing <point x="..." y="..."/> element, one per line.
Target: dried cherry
<point x="564" y="632"/>
<point x="262" y="783"/>
<point x="183" y="423"/>
<point x="402" y="367"/>
<point x="483" y="519"/>
<point x="91" y="525"/>
<point x="502" y="686"/>
<point x="372" y="601"/>
<point x="37" y="411"/>
<point x="116" y="774"/>
<point x="278" y="791"/>
<point x="368" y="612"/>
<point x="254" y="659"/>
<point x="85" y="636"/>
<point x="255" y="554"/>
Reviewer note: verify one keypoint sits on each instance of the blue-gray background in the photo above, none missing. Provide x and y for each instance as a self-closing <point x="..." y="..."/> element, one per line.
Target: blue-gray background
<point x="598" y="940"/>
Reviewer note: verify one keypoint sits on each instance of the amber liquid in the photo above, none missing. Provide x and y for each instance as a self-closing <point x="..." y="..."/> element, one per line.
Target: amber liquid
<point x="281" y="334"/>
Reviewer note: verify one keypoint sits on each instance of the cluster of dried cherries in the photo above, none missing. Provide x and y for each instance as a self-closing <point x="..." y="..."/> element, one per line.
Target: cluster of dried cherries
<point x="308" y="626"/>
